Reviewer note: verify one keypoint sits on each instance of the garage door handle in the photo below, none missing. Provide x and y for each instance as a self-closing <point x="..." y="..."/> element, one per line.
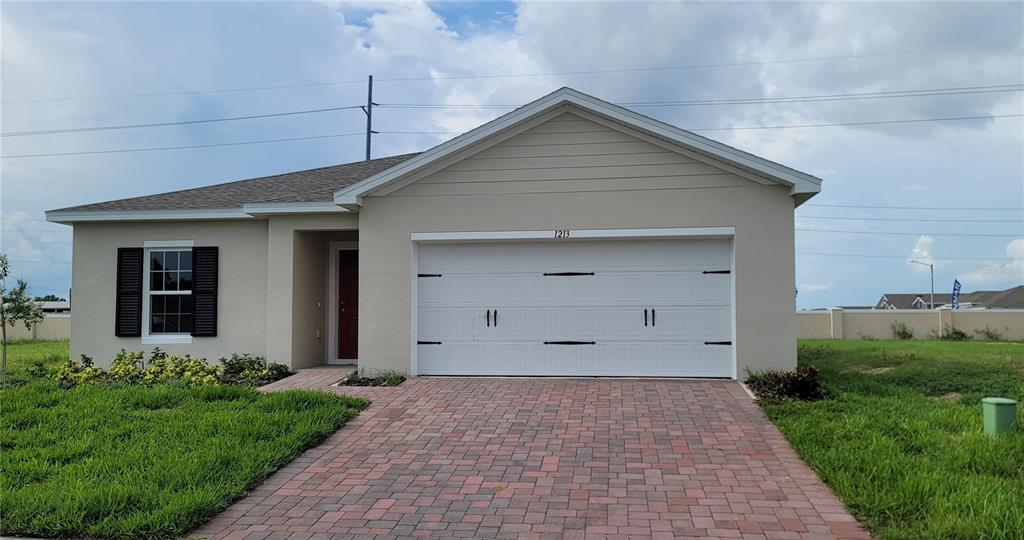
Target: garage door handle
<point x="568" y="273"/>
<point x="488" y="318"/>
<point x="718" y="343"/>
<point x="570" y="343"/>
<point x="717" y="272"/>
<point x="645" y="317"/>
<point x="495" y="318"/>
<point x="428" y="342"/>
<point x="654" y="320"/>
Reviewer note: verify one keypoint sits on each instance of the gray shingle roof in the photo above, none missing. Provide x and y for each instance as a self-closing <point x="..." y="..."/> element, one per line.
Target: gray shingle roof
<point x="1012" y="298"/>
<point x="313" y="185"/>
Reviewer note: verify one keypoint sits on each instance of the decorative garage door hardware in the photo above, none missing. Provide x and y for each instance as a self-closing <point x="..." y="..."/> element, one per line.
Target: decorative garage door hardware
<point x="718" y="343"/>
<point x="570" y="343"/>
<point x="568" y="273"/>
<point x="428" y="275"/>
<point x="428" y="342"/>
<point x="717" y="272"/>
<point x="489" y="318"/>
<point x="654" y="320"/>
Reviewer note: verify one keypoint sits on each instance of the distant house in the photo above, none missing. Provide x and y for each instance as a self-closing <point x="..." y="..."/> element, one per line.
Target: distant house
<point x="55" y="307"/>
<point x="1012" y="298"/>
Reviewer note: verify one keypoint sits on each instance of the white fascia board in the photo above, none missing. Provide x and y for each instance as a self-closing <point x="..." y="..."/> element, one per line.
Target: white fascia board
<point x="68" y="217"/>
<point x="325" y="207"/>
<point x="798" y="181"/>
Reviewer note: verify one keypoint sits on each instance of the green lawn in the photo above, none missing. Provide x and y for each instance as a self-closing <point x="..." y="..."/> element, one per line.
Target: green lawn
<point x="144" y="462"/>
<point x="22" y="354"/>
<point x="900" y="441"/>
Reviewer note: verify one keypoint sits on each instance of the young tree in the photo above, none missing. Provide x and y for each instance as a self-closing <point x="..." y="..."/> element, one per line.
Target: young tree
<point x="15" y="306"/>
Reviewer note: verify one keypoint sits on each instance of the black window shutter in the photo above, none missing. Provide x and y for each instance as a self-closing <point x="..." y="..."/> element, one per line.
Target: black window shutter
<point x="204" y="291"/>
<point x="128" y="311"/>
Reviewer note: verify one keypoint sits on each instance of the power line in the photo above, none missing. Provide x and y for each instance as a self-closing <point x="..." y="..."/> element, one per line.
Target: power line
<point x="521" y="75"/>
<point x="951" y="91"/>
<point x="914" y="219"/>
<point x="154" y="149"/>
<point x="879" y="122"/>
<point x="874" y="256"/>
<point x="696" y="66"/>
<point x="826" y="205"/>
<point x="737" y="101"/>
<point x="902" y="233"/>
<point x="178" y="123"/>
<point x="791" y="126"/>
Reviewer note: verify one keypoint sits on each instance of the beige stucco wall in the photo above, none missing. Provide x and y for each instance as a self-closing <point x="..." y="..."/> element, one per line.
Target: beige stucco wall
<point x="577" y="174"/>
<point x="813" y="325"/>
<point x="296" y="286"/>
<point x="53" y="327"/>
<point x="877" y="324"/>
<point x="242" y="307"/>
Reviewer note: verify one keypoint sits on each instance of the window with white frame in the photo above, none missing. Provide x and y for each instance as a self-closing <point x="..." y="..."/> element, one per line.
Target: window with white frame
<point x="168" y="293"/>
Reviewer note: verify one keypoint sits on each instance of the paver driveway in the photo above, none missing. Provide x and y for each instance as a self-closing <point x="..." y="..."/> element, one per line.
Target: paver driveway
<point x="558" y="458"/>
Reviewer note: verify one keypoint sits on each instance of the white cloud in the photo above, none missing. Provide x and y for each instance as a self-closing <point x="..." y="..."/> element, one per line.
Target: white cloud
<point x="922" y="252"/>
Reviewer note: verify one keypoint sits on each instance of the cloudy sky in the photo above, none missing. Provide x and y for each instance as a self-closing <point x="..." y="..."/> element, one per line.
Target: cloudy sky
<point x="959" y="183"/>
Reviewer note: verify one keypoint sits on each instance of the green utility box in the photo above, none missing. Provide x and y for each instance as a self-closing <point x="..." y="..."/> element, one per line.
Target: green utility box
<point x="1000" y="415"/>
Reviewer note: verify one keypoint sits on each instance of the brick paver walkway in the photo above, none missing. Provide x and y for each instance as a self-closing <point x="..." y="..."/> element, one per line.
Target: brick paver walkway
<point x="544" y="458"/>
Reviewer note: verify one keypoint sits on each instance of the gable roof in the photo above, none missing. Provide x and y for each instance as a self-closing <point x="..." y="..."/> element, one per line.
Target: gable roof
<point x="802" y="185"/>
<point x="902" y="300"/>
<point x="307" y="191"/>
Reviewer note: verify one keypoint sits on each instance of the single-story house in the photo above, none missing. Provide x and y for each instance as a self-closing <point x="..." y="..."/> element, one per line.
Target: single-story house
<point x="570" y="236"/>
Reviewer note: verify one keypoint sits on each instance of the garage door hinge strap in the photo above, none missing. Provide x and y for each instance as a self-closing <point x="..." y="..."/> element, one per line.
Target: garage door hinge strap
<point x="428" y="342"/>
<point x="428" y="275"/>
<point x="718" y="343"/>
<point x="717" y="272"/>
<point x="570" y="343"/>
<point x="568" y="273"/>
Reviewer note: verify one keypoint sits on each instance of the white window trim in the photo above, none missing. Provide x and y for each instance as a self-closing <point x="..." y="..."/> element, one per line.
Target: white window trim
<point x="150" y="246"/>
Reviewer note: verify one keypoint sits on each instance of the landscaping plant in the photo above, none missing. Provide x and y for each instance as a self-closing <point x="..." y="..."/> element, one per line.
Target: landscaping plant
<point x="15" y="306"/>
<point x="803" y="383"/>
<point x="379" y="378"/>
<point x="901" y="331"/>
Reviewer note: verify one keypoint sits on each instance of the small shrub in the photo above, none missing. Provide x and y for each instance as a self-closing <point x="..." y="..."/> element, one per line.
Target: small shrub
<point x="802" y="383"/>
<point x="901" y="331"/>
<point x="126" y="367"/>
<point x="991" y="334"/>
<point x="75" y="372"/>
<point x="189" y="370"/>
<point x="952" y="334"/>
<point x="866" y="337"/>
<point x="251" y="370"/>
<point x="38" y="369"/>
<point x="379" y="378"/>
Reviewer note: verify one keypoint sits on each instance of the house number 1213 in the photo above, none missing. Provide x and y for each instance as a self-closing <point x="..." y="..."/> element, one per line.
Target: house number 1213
<point x="561" y="233"/>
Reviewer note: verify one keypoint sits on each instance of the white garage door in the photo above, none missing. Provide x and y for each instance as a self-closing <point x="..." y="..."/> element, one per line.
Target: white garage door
<point x="601" y="307"/>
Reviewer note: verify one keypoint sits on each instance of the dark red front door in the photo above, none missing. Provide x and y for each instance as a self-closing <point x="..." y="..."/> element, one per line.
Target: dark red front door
<point x="348" y="304"/>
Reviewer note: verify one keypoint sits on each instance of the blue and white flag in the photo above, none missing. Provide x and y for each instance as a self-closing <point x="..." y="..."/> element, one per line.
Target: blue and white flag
<point x="956" y="294"/>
